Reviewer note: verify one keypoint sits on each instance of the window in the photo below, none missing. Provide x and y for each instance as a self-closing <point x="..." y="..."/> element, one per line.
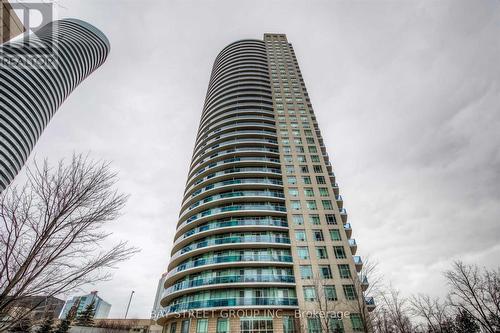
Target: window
<point x="256" y="325"/>
<point x="289" y="169"/>
<point x="288" y="158"/>
<point x="287" y="149"/>
<point x="288" y="324"/>
<point x="339" y="252"/>
<point x="330" y="293"/>
<point x="301" y="158"/>
<point x="298" y="219"/>
<point x="327" y="204"/>
<point x="295" y="204"/>
<point x="318" y="235"/>
<point x="336" y="325"/>
<point x="308" y="192"/>
<point x="325" y="271"/>
<point x="299" y="149"/>
<point x="323" y="191"/>
<point x="314" y="219"/>
<point x="309" y="140"/>
<point x="222" y="325"/>
<point x="349" y="292"/>
<point x="309" y="293"/>
<point x="317" y="168"/>
<point x="304" y="169"/>
<point x="320" y="180"/>
<point x="306" y="180"/>
<point x="315" y="158"/>
<point x="293" y="191"/>
<point x="285" y="141"/>
<point x="321" y="252"/>
<point x="356" y="322"/>
<point x="330" y="219"/>
<point x="311" y="205"/>
<point x="300" y="235"/>
<point x="185" y="326"/>
<point x="313" y="325"/>
<point x="335" y="235"/>
<point x="297" y="141"/>
<point x="313" y="149"/>
<point x="291" y="180"/>
<point x="303" y="252"/>
<point x="173" y="327"/>
<point x="308" y="132"/>
<point x="201" y="326"/>
<point x="306" y="272"/>
<point x="344" y="271"/>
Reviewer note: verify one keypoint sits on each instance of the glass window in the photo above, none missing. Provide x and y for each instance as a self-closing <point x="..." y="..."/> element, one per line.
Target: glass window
<point x="291" y="180"/>
<point x="308" y="132"/>
<point x="288" y="158"/>
<point x="287" y="149"/>
<point x="325" y="271"/>
<point x="308" y="192"/>
<point x="306" y="180"/>
<point x="298" y="219"/>
<point x="201" y="326"/>
<point x="320" y="180"/>
<point x="313" y="325"/>
<point x="356" y="322"/>
<point x="299" y="149"/>
<point x="330" y="219"/>
<point x="318" y="235"/>
<point x="288" y="324"/>
<point x="349" y="291"/>
<point x="309" y="140"/>
<point x="344" y="271"/>
<point x="317" y="168"/>
<point x="303" y="252"/>
<point x="314" y="219"/>
<point x="222" y="325"/>
<point x="297" y="141"/>
<point x="293" y="191"/>
<point x="301" y="158"/>
<point x="309" y="293"/>
<point x="323" y="191"/>
<point x="173" y="327"/>
<point x="300" y="235"/>
<point x="289" y="169"/>
<point x="321" y="252"/>
<point x="304" y="169"/>
<point x="256" y="325"/>
<point x="335" y="235"/>
<point x="185" y="326"/>
<point x="339" y="252"/>
<point x="311" y="205"/>
<point x="336" y="325"/>
<point x="313" y="149"/>
<point x="306" y="272"/>
<point x="315" y="158"/>
<point x="330" y="293"/>
<point x="295" y="204"/>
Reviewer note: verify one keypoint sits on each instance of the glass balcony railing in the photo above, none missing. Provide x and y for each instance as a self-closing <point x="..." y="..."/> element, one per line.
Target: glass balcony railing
<point x="237" y="159"/>
<point x="237" y="150"/>
<point x="237" y="194"/>
<point x="352" y="242"/>
<point x="233" y="240"/>
<point x="357" y="260"/>
<point x="235" y="133"/>
<point x="229" y="259"/>
<point x="225" y="302"/>
<point x="269" y="181"/>
<point x="229" y="279"/>
<point x="370" y="301"/>
<point x="236" y="222"/>
<point x="232" y="208"/>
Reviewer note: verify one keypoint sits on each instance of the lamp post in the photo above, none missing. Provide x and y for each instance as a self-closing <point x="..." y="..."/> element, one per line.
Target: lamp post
<point x="128" y="305"/>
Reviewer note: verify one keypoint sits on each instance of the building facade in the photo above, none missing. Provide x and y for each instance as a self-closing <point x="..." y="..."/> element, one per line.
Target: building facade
<point x="102" y="307"/>
<point x="262" y="238"/>
<point x="30" y="96"/>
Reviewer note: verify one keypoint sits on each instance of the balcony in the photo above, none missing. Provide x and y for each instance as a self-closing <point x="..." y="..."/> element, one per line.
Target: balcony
<point x="364" y="283"/>
<point x="348" y="230"/>
<point x="358" y="263"/>
<point x="340" y="201"/>
<point x="336" y="189"/>
<point x="343" y="214"/>
<point x="353" y="246"/>
<point x="370" y="304"/>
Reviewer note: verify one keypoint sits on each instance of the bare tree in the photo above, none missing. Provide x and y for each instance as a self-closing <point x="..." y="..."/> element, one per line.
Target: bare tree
<point x="51" y="232"/>
<point x="476" y="292"/>
<point x="325" y="303"/>
<point x="393" y="313"/>
<point x="436" y="314"/>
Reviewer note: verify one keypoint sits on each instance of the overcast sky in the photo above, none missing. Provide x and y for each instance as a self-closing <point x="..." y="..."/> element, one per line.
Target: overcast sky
<point x="407" y="95"/>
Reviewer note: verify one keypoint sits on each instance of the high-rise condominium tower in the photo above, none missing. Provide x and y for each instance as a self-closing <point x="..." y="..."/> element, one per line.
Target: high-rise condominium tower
<point x="30" y="96"/>
<point x="262" y="236"/>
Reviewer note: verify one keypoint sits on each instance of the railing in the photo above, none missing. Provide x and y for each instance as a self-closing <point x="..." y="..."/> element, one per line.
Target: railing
<point x="232" y="208"/>
<point x="271" y="194"/>
<point x="238" y="181"/>
<point x="232" y="240"/>
<point x="231" y="258"/>
<point x="357" y="260"/>
<point x="236" y="159"/>
<point x="352" y="242"/>
<point x="225" y="302"/>
<point x="228" y="279"/>
<point x="369" y="301"/>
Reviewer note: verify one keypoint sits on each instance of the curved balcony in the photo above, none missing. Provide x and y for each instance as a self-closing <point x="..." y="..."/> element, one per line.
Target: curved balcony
<point x="237" y="258"/>
<point x="242" y="196"/>
<point x="226" y="281"/>
<point x="233" y="239"/>
<point x="217" y="137"/>
<point x="231" y="302"/>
